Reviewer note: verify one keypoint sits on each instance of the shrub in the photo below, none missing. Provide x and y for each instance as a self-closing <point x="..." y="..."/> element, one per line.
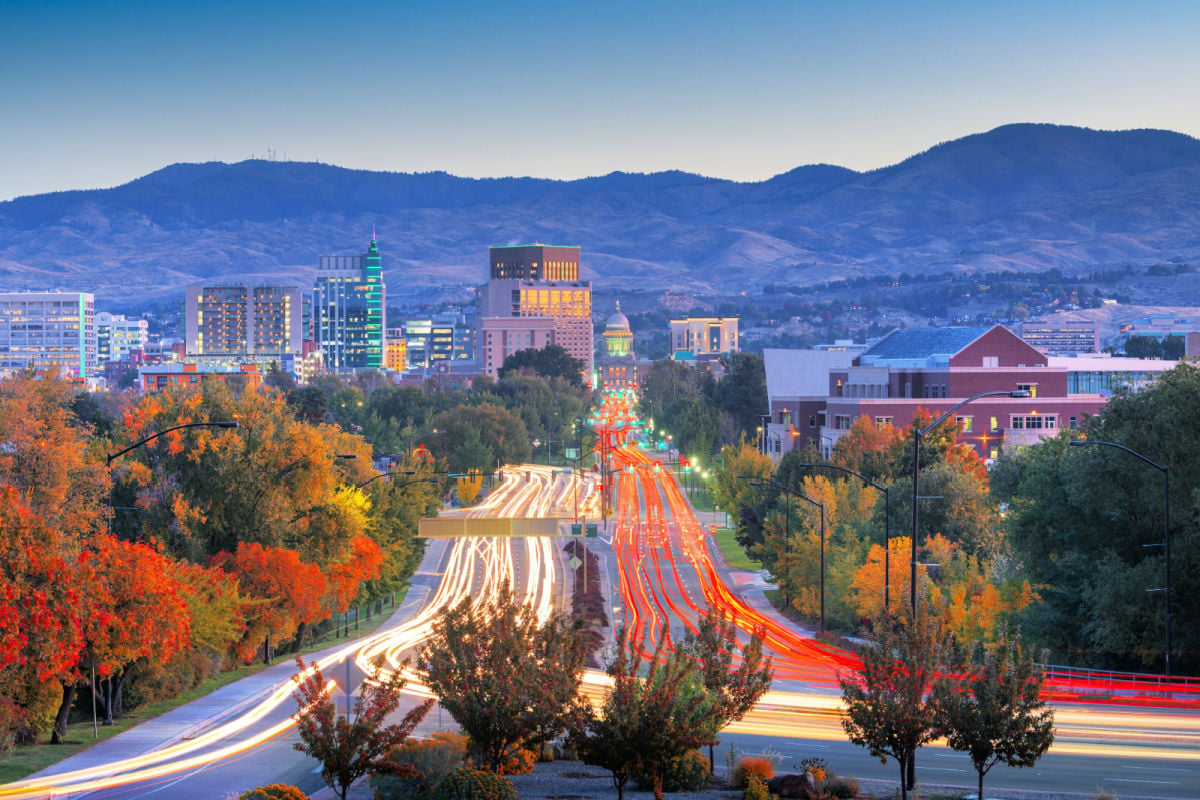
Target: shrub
<point x="688" y="773"/>
<point x="466" y="783"/>
<point x="435" y="758"/>
<point x="519" y="763"/>
<point x="748" y="766"/>
<point x="841" y="787"/>
<point x="756" y="789"/>
<point x="12" y="718"/>
<point x="273" y="791"/>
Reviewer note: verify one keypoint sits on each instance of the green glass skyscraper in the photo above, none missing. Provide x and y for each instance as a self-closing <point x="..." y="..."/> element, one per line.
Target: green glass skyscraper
<point x="348" y="310"/>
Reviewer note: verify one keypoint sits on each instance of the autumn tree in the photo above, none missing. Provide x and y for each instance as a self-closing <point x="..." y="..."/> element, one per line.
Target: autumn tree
<point x="507" y="678"/>
<point x="41" y="610"/>
<point x="282" y="592"/>
<point x="887" y="706"/>
<point x="136" y="611"/>
<point x="733" y="689"/>
<point x="993" y="711"/>
<point x="49" y="456"/>
<point x="357" y="743"/>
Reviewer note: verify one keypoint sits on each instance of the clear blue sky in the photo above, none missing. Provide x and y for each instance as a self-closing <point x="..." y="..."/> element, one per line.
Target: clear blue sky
<point x="97" y="93"/>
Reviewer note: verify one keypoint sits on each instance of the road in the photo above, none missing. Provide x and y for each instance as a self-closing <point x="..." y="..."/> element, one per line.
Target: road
<point x="663" y="569"/>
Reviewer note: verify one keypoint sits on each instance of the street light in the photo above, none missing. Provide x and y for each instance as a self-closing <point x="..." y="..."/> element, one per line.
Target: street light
<point x="821" y="507"/>
<point x="1166" y="545"/>
<point x="917" y="436"/>
<point x="153" y="436"/>
<point x="887" y="522"/>
<point x="108" y="525"/>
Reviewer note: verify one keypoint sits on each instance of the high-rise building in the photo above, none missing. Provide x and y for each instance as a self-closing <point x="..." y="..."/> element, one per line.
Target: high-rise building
<point x="348" y="310"/>
<point x="442" y="337"/>
<point x="39" y="330"/>
<point x="535" y="262"/>
<point x="116" y="336"/>
<point x="567" y="303"/>
<point x="242" y="320"/>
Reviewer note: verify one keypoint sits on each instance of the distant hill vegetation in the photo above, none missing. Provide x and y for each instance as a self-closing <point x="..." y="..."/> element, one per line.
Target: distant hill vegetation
<point x="1021" y="197"/>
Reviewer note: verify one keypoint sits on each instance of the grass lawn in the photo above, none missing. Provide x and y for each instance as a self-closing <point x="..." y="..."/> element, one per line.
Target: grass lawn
<point x="28" y="759"/>
<point x="733" y="551"/>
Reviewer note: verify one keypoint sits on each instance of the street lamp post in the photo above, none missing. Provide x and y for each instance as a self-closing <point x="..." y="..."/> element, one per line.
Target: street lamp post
<point x="917" y="436"/>
<point x="821" y="508"/>
<point x="887" y="522"/>
<point x="108" y="522"/>
<point x="1166" y="545"/>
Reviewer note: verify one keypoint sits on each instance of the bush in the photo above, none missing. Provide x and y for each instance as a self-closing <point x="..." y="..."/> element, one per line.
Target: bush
<point x="756" y="789"/>
<point x="841" y="787"/>
<point x="749" y="766"/>
<point x="273" y="791"/>
<point x="688" y="773"/>
<point x="435" y="758"/>
<point x="12" y="718"/>
<point x="466" y="783"/>
<point x="519" y="763"/>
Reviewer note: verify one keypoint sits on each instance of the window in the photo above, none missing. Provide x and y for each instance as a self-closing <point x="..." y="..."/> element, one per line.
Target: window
<point x="965" y="424"/>
<point x="842" y="422"/>
<point x="1074" y="423"/>
<point x="883" y="422"/>
<point x="995" y="424"/>
<point x="991" y="361"/>
<point x="1035" y="422"/>
<point x="812" y="420"/>
<point x="1028" y="387"/>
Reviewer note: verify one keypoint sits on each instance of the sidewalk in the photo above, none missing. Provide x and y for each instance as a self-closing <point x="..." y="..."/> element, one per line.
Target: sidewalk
<point x="194" y="718"/>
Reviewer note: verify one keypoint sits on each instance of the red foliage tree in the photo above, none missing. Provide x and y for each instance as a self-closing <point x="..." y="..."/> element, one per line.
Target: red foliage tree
<point x="282" y="593"/>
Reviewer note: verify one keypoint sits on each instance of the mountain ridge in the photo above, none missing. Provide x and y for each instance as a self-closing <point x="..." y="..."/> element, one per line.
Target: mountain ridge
<point x="1020" y="197"/>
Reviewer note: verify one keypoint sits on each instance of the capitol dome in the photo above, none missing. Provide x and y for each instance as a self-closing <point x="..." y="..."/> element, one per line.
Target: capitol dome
<point x="618" y="321"/>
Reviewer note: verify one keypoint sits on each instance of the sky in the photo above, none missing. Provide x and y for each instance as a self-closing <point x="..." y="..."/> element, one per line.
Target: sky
<point x="95" y="94"/>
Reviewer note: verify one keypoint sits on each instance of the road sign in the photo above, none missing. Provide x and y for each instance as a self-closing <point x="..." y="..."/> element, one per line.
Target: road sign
<point x="575" y="563"/>
<point x="592" y="530"/>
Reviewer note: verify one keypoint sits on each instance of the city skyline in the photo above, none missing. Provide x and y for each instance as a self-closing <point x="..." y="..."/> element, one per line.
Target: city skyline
<point x="104" y="94"/>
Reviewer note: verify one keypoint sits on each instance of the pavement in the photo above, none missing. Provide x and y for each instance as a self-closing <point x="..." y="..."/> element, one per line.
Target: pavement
<point x="193" y="719"/>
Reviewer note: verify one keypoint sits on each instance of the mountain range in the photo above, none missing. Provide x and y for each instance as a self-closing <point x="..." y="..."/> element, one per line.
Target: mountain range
<point x="1023" y="197"/>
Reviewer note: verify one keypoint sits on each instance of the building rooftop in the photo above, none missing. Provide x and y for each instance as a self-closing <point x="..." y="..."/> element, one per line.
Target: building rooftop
<point x="803" y="373"/>
<point x="921" y="346"/>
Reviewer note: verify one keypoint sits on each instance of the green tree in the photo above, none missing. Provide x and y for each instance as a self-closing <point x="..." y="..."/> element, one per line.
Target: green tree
<point x="509" y="680"/>
<point x="742" y="392"/>
<point x="733" y="689"/>
<point x="994" y="711"/>
<point x="1086" y="524"/>
<point x="886" y="703"/>
<point x="491" y="425"/>
<point x="551" y="361"/>
<point x="350" y="746"/>
<point x="646" y="723"/>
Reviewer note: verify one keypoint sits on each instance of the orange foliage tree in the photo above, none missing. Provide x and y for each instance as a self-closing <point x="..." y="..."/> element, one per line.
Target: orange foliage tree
<point x="282" y="592"/>
<point x="41" y="630"/>
<point x="135" y="610"/>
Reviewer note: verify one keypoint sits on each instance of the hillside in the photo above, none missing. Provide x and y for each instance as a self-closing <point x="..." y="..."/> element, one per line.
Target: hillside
<point x="1021" y="197"/>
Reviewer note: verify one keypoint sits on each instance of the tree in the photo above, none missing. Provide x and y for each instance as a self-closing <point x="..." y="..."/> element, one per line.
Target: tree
<point x="1086" y="524"/>
<point x="742" y="393"/>
<point x="734" y="691"/>
<point x="551" y="361"/>
<point x="886" y="704"/>
<point x="282" y="593"/>
<point x="136" y="611"/>
<point x="994" y="712"/>
<point x="41" y="613"/>
<point x="352" y="745"/>
<point x="645" y="724"/>
<point x="508" y="679"/>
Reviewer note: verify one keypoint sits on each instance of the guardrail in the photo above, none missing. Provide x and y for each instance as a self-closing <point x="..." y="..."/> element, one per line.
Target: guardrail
<point x="1093" y="684"/>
